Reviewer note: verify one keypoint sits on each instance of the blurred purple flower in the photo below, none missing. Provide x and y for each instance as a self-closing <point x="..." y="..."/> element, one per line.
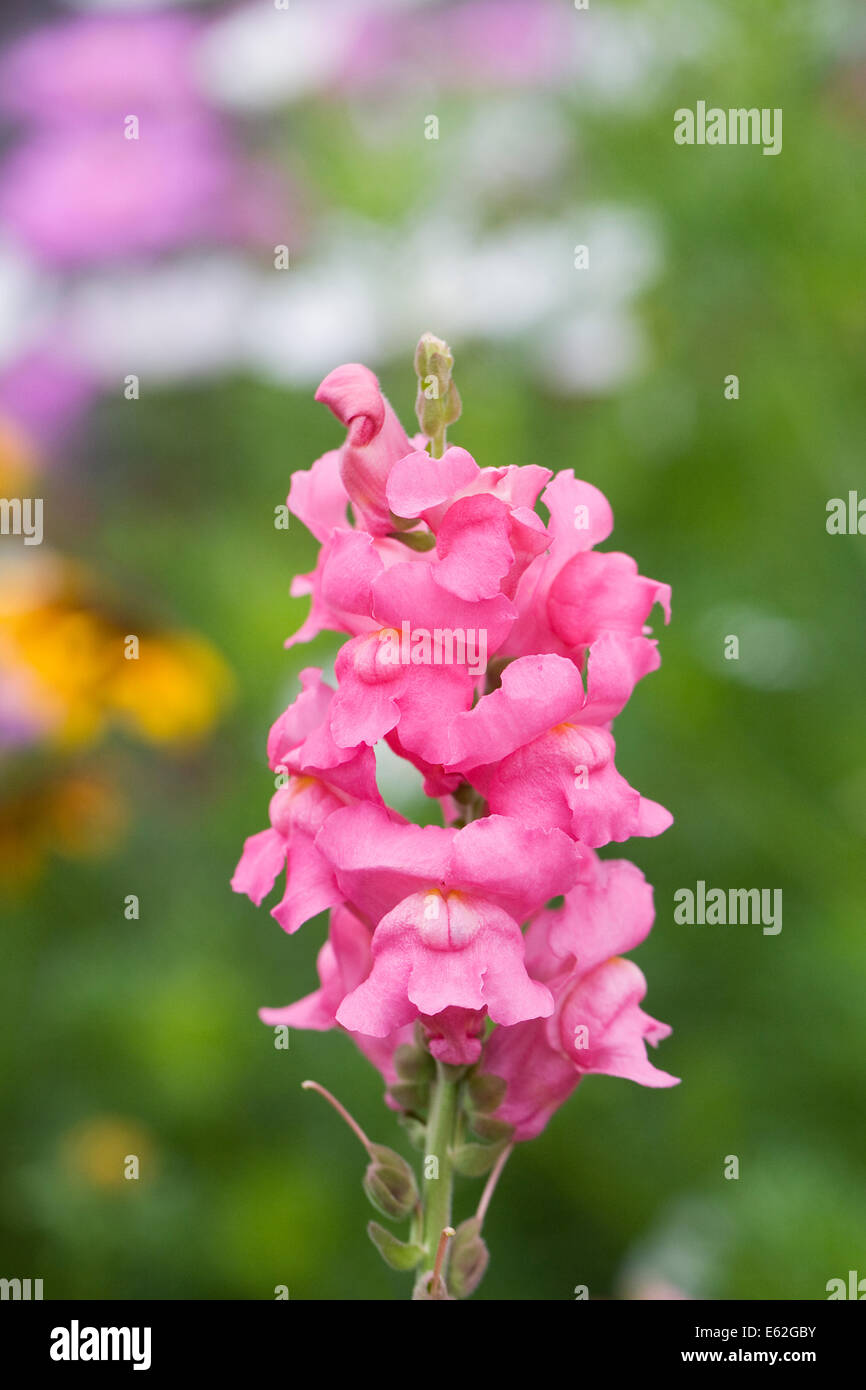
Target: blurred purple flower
<point x="44" y="395"/>
<point x="487" y="43"/>
<point x="88" y="194"/>
<point x="102" y="67"/>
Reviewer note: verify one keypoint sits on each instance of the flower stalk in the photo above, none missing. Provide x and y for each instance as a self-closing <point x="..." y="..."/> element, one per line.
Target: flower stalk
<point x="438" y="1184"/>
<point x="478" y="964"/>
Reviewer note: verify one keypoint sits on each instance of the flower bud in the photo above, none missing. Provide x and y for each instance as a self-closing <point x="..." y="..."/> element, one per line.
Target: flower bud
<point x="390" y="1183"/>
<point x="469" y="1257"/>
<point x="437" y="404"/>
<point x="394" y="1252"/>
<point x="425" y="1289"/>
<point x="411" y="1096"/>
<point x="486" y="1092"/>
<point x="413" y="1063"/>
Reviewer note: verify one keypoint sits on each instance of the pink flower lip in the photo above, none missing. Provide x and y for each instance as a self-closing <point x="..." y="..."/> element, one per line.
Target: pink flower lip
<point x="449" y="920"/>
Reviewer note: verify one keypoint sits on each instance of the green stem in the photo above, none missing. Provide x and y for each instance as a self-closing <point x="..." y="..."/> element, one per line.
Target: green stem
<point x="440" y="1139"/>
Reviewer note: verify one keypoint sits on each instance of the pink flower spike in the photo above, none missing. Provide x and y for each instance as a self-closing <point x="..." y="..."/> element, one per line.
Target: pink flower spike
<point x="489" y="645"/>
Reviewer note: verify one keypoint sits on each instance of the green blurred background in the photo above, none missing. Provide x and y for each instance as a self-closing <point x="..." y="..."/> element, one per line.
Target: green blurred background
<point x="142" y="1037"/>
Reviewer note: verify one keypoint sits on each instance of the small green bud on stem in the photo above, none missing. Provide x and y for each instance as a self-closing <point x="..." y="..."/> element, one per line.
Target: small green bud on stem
<point x="437" y="404"/>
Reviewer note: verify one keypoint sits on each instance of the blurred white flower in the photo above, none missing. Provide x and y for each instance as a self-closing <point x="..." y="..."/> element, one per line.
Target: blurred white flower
<point x="27" y="298"/>
<point x="364" y="292"/>
<point x="175" y="319"/>
<point x="300" y="327"/>
<point x="260" y="56"/>
<point x="633" y="52"/>
<point x="512" y="142"/>
<point x="591" y="353"/>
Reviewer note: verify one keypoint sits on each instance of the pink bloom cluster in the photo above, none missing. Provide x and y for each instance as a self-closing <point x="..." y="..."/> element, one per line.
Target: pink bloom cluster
<point x="449" y="931"/>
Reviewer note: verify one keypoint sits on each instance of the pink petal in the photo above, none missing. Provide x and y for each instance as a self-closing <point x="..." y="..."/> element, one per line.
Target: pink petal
<point x="512" y="864"/>
<point x="539" y="1078"/>
<point x="536" y="693"/>
<point x="409" y="592"/>
<point x="419" y="485"/>
<point x="580" y="515"/>
<point x="379" y="859"/>
<point x="301" y="717"/>
<point x="608" y="913"/>
<point x="454" y="1035"/>
<point x="467" y="956"/>
<point x="263" y="857"/>
<point x="599" y="592"/>
<point x="310" y="885"/>
<point x="348" y="572"/>
<point x="615" y="664"/>
<point x="474" y="547"/>
<point x="317" y="496"/>
<point x="605" y="1004"/>
<point x="352" y="393"/>
<point x="343" y="962"/>
<point x="376" y="440"/>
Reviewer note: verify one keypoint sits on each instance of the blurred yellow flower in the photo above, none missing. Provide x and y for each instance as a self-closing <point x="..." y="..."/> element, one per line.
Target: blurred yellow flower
<point x="77" y="814"/>
<point x="108" y="1151"/>
<point x="85" y="667"/>
<point x="174" y="691"/>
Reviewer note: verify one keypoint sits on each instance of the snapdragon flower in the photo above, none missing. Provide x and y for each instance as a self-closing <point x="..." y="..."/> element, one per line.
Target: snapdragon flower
<point x="481" y="1001"/>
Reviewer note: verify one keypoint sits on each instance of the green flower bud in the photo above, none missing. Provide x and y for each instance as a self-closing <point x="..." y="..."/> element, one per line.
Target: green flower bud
<point x="474" y="1160"/>
<point x="416" y="1132"/>
<point x="413" y="1096"/>
<point x="491" y="1130"/>
<point x="413" y="1063"/>
<point x="394" y="1252"/>
<point x="486" y="1092"/>
<point x="437" y="404"/>
<point x="469" y="1257"/>
<point x="390" y="1183"/>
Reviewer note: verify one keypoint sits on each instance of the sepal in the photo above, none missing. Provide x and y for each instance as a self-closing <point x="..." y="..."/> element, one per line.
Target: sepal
<point x="394" y="1252"/>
